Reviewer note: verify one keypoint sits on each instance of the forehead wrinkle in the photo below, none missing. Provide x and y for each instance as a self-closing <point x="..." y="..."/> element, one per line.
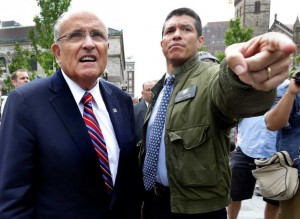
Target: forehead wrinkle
<point x="84" y="22"/>
<point x="183" y="20"/>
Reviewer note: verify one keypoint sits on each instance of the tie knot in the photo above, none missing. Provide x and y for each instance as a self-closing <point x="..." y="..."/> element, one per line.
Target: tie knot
<point x="87" y="98"/>
<point x="170" y="80"/>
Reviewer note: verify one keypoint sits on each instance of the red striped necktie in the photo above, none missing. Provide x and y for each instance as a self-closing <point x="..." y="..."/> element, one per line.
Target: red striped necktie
<point x="97" y="139"/>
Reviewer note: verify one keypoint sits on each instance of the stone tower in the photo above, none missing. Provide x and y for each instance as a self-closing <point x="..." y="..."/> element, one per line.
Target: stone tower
<point x="296" y="36"/>
<point x="254" y="14"/>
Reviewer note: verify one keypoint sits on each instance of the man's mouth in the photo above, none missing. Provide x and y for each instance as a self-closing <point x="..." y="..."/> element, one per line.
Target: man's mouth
<point x="88" y="59"/>
<point x="175" y="45"/>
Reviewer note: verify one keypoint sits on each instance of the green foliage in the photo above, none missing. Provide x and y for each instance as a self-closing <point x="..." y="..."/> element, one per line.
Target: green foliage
<point x="21" y="59"/>
<point x="220" y="55"/>
<point x="237" y="34"/>
<point x="297" y="60"/>
<point x="42" y="35"/>
<point x="1" y="66"/>
<point x="203" y="48"/>
<point x="7" y="86"/>
<point x="296" y="66"/>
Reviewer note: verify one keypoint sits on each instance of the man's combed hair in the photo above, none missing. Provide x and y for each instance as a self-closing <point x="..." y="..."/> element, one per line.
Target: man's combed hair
<point x="14" y="74"/>
<point x="188" y="12"/>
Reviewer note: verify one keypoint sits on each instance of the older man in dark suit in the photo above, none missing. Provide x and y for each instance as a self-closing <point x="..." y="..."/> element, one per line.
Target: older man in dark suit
<point x="51" y="141"/>
<point x="140" y="108"/>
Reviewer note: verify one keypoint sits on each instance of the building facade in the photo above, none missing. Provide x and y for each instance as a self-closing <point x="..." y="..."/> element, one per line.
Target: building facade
<point x="254" y="14"/>
<point x="130" y="66"/>
<point x="214" y="36"/>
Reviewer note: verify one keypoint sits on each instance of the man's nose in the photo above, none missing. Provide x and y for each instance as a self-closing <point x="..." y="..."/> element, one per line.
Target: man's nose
<point x="88" y="41"/>
<point x="177" y="33"/>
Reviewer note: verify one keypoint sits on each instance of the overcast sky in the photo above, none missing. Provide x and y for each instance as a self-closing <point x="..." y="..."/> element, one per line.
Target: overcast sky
<point x="141" y="22"/>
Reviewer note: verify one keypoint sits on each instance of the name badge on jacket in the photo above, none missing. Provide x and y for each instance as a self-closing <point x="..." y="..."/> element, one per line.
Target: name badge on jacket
<point x="185" y="94"/>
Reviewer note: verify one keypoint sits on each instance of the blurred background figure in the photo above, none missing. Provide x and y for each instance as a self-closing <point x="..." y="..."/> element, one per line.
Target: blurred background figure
<point x="140" y="108"/>
<point x="285" y="117"/>
<point x="18" y="78"/>
<point x="207" y="57"/>
<point x="254" y="140"/>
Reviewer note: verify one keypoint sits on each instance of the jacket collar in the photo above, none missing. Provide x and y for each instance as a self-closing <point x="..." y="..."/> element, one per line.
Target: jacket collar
<point x="187" y="65"/>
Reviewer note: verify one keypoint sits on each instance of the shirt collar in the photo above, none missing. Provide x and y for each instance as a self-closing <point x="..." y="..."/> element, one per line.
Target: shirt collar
<point x="78" y="92"/>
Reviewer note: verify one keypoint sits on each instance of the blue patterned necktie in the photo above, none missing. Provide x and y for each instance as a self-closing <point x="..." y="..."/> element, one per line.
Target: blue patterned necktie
<point x="151" y="159"/>
<point x="97" y="139"/>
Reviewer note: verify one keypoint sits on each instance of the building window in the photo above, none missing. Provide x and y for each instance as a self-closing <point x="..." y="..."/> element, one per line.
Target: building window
<point x="257" y="7"/>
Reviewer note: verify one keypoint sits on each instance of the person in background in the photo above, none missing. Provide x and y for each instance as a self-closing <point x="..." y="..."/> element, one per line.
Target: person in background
<point x="74" y="154"/>
<point x="135" y="100"/>
<point x="207" y="57"/>
<point x="140" y="108"/>
<point x="18" y="78"/>
<point x="285" y="117"/>
<point x="185" y="138"/>
<point x="254" y="141"/>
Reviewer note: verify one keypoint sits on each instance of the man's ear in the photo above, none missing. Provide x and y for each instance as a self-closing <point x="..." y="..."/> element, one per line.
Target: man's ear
<point x="14" y="83"/>
<point x="200" y="41"/>
<point x="56" y="50"/>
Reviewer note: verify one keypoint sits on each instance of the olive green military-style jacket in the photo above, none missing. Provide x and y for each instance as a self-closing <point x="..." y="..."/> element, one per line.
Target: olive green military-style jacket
<point x="207" y="101"/>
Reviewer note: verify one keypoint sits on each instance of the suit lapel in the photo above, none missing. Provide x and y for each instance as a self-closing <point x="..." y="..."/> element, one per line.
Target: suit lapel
<point x="65" y="106"/>
<point x="114" y="110"/>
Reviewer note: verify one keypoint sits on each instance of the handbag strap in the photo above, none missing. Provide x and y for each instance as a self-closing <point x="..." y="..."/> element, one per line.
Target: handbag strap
<point x="284" y="158"/>
<point x="281" y="157"/>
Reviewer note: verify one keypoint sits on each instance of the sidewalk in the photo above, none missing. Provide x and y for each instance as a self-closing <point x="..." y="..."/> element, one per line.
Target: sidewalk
<point x="252" y="208"/>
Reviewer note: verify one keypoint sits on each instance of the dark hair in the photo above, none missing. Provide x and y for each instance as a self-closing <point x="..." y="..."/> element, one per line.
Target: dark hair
<point x="188" y="12"/>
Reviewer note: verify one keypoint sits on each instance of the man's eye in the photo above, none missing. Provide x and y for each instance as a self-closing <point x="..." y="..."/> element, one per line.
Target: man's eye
<point x="76" y="35"/>
<point x="97" y="35"/>
<point x="169" y="31"/>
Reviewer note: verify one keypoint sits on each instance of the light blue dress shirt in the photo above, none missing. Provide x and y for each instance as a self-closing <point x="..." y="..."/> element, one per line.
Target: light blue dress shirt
<point x="254" y="139"/>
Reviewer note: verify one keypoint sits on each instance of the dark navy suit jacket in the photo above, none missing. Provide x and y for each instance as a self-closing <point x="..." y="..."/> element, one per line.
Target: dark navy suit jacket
<point x="48" y="166"/>
<point x="140" y="110"/>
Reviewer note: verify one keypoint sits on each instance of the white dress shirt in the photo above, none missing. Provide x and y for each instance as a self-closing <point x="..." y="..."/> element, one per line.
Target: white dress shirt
<point x="103" y="118"/>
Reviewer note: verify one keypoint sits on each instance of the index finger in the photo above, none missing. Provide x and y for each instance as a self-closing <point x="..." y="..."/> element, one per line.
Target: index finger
<point x="271" y="41"/>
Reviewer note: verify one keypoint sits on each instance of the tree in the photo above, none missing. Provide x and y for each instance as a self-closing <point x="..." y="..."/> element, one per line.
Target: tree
<point x="42" y="35"/>
<point x="297" y="60"/>
<point x="220" y="55"/>
<point x="203" y="48"/>
<point x="1" y="68"/>
<point x="235" y="34"/>
<point x="21" y="60"/>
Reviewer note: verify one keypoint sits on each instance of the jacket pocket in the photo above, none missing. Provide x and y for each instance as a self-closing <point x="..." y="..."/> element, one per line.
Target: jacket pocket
<point x="193" y="156"/>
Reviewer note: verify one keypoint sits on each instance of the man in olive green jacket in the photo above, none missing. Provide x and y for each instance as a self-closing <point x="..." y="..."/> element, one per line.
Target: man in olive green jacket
<point x="192" y="173"/>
